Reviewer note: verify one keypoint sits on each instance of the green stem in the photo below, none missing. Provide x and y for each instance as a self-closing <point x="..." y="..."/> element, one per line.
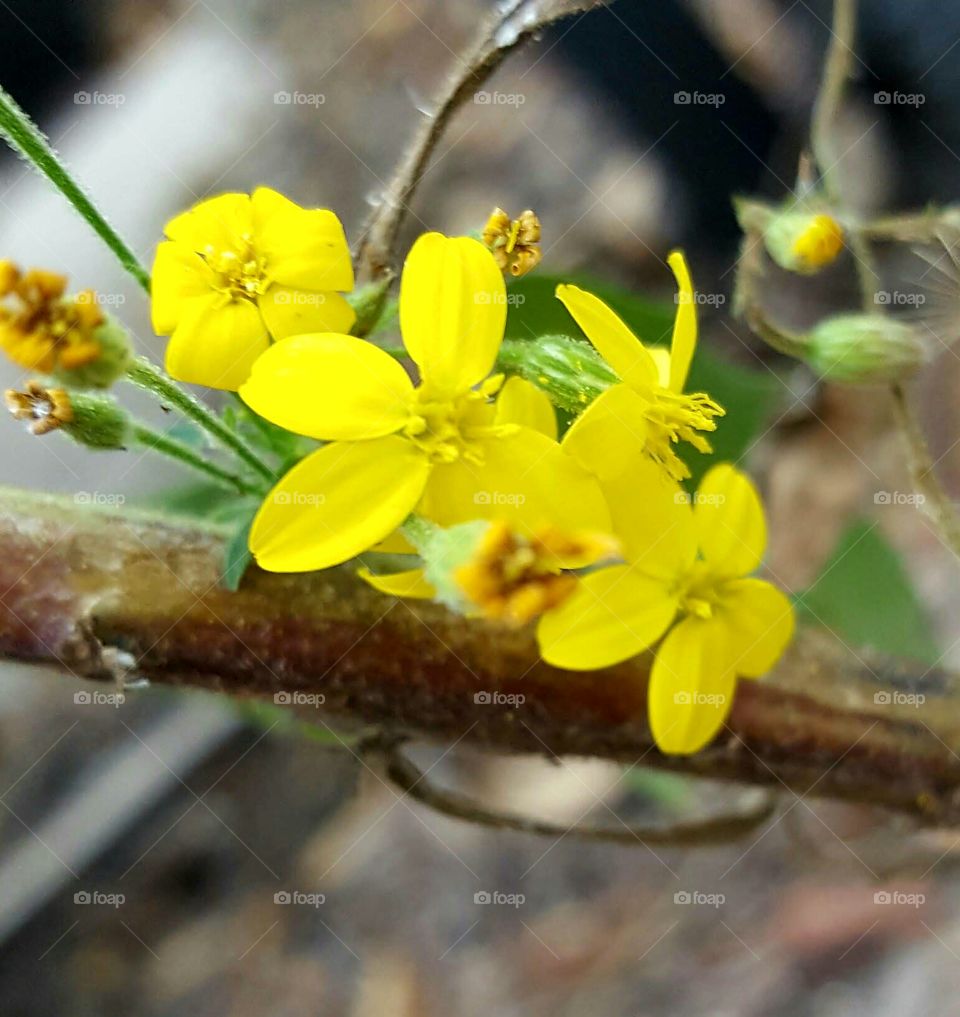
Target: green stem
<point x="23" y="135"/>
<point x="165" y="445"/>
<point x="147" y="375"/>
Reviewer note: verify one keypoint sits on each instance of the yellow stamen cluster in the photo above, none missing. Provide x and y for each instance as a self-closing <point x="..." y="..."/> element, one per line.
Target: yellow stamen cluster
<point x="40" y="328"/>
<point x="450" y="429"/>
<point x="674" y="417"/>
<point x="515" y="579"/>
<point x="240" y="272"/>
<point x="514" y="243"/>
<point x="48" y="409"/>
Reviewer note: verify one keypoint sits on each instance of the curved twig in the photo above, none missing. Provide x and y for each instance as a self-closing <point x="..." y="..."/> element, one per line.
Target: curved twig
<point x="708" y="830"/>
<point x="506" y="31"/>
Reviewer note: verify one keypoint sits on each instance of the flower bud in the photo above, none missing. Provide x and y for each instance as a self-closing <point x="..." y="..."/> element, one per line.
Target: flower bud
<point x="98" y="422"/>
<point x="112" y="361"/>
<point x="370" y="306"/>
<point x="864" y="349"/>
<point x="94" y="421"/>
<point x="803" y="242"/>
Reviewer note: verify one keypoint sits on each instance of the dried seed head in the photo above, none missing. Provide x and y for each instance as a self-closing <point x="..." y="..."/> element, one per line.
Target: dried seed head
<point x="47" y="409"/>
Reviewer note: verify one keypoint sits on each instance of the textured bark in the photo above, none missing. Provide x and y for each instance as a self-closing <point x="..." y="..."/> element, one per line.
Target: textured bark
<point x="83" y="589"/>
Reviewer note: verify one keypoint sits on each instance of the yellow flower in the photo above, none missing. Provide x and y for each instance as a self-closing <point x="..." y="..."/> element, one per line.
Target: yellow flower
<point x="649" y="408"/>
<point x="238" y="270"/>
<point x="514" y="578"/>
<point x="439" y="447"/>
<point x="685" y="578"/>
<point x="43" y="330"/>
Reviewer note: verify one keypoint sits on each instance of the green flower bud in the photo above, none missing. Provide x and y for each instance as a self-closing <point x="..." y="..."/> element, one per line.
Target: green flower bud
<point x="370" y="306"/>
<point x="864" y="349"/>
<point x="570" y="371"/>
<point x="443" y="552"/>
<point x="111" y="364"/>
<point x="98" y="422"/>
<point x="803" y="242"/>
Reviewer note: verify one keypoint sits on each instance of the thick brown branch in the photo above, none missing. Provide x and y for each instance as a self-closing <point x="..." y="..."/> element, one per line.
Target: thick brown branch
<point x="510" y="27"/>
<point x="78" y="587"/>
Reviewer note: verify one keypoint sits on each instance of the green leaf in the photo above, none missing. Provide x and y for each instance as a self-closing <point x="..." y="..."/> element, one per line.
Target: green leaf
<point x="865" y="596"/>
<point x="748" y="395"/>
<point x="237" y="556"/>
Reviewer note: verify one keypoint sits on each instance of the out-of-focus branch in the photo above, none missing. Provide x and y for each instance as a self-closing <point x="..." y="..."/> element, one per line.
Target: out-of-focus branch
<point x="509" y="28"/>
<point x="80" y="588"/>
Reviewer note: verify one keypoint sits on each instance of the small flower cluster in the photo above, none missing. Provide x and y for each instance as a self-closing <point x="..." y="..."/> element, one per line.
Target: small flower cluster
<point x="433" y="454"/>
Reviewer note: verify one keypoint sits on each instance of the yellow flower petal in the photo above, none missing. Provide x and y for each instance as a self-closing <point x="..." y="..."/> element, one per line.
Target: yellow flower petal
<point x="614" y="614"/>
<point x="610" y="435"/>
<point x="731" y="527"/>
<point x="304" y="247"/>
<point x="525" y="479"/>
<point x="661" y="357"/>
<point x="179" y="276"/>
<point x="336" y="503"/>
<point x="328" y="386"/>
<point x="653" y="519"/>
<point x="216" y="343"/>
<point x="760" y="624"/>
<point x="691" y="687"/>
<point x="521" y="402"/>
<point x="289" y="311"/>
<point x="614" y="341"/>
<point x="400" y="584"/>
<point x="684" y="324"/>
<point x="453" y="309"/>
<point x="219" y="223"/>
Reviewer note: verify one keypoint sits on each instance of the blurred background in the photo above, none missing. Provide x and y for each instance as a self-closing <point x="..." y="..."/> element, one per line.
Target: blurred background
<point x="171" y="855"/>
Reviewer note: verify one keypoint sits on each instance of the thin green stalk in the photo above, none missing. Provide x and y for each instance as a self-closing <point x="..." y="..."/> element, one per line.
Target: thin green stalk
<point x="23" y="135"/>
<point x="146" y="375"/>
<point x="170" y="447"/>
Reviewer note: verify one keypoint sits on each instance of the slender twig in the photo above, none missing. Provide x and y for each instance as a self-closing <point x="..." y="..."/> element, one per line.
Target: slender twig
<point x="936" y="504"/>
<point x="146" y="375"/>
<point x="182" y="453"/>
<point x="837" y="69"/>
<point x="701" y="831"/>
<point x="512" y="25"/>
